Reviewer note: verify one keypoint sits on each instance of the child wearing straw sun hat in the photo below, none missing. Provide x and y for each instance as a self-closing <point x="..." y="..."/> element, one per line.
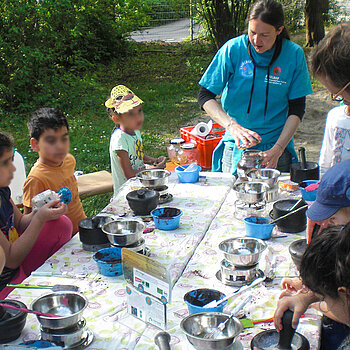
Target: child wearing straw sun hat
<point x="126" y="148"/>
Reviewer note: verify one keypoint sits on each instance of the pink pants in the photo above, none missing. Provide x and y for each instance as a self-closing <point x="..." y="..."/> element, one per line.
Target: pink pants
<point x="52" y="237"/>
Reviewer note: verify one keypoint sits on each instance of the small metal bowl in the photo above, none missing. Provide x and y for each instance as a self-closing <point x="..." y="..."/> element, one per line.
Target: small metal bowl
<point x="268" y="176"/>
<point x="68" y="306"/>
<point x="153" y="177"/>
<point x="242" y="251"/>
<point x="251" y="192"/>
<point x="123" y="233"/>
<point x="196" y="326"/>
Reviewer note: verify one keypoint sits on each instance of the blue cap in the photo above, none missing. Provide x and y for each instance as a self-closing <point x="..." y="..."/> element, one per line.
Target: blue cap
<point x="333" y="192"/>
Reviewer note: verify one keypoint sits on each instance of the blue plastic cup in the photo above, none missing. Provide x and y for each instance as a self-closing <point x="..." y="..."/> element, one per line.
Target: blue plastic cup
<point x="166" y="218"/>
<point x="109" y="261"/>
<point x="197" y="298"/>
<point x="187" y="176"/>
<point x="309" y="196"/>
<point x="258" y="227"/>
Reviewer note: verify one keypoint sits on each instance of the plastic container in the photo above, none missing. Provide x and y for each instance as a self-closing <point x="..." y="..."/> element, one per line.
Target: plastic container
<point x="309" y="196"/>
<point x="206" y="145"/>
<point x="258" y="227"/>
<point x="197" y="298"/>
<point x="166" y="218"/>
<point x="109" y="261"/>
<point x="190" y="153"/>
<point x="187" y="176"/>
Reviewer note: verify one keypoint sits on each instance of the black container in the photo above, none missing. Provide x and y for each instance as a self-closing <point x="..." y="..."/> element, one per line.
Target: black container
<point x="293" y="223"/>
<point x="143" y="201"/>
<point x="296" y="250"/>
<point x="12" y="322"/>
<point x="90" y="230"/>
<point x="304" y="170"/>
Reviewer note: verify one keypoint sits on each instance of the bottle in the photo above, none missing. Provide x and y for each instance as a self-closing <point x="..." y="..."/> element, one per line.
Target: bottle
<point x="190" y="153"/>
<point x="174" y="149"/>
<point x="251" y="159"/>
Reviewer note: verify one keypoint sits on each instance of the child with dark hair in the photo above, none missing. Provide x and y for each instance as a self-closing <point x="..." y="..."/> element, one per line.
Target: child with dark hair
<point x="48" y="129"/>
<point x="27" y="240"/>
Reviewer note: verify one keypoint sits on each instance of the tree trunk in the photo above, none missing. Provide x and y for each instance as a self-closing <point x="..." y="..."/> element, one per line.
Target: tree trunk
<point x="314" y="10"/>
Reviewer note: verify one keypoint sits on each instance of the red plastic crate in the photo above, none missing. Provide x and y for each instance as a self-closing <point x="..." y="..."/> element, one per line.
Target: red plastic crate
<point x="205" y="146"/>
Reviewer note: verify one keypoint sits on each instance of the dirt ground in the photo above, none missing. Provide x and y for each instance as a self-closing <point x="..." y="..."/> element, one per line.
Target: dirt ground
<point x="310" y="132"/>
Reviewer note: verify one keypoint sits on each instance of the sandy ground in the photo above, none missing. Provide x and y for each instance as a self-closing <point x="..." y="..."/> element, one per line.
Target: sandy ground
<point x="310" y="132"/>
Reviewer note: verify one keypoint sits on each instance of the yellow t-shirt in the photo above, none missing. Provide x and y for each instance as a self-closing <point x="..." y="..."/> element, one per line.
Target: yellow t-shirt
<point x="43" y="177"/>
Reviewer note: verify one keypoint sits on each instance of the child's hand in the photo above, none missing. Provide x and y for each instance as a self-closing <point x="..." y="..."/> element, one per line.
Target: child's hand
<point x="51" y="211"/>
<point x="291" y="285"/>
<point x="160" y="162"/>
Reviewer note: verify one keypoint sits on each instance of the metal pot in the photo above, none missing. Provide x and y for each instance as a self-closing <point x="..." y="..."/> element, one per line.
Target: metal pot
<point x="251" y="192"/>
<point x="296" y="250"/>
<point x="295" y="222"/>
<point x="143" y="201"/>
<point x="304" y="170"/>
<point x="124" y="232"/>
<point x="153" y="177"/>
<point x="269" y="176"/>
<point x="68" y="305"/>
<point x="90" y="230"/>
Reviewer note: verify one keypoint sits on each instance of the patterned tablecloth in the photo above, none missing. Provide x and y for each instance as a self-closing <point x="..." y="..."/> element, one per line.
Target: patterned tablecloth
<point x="192" y="260"/>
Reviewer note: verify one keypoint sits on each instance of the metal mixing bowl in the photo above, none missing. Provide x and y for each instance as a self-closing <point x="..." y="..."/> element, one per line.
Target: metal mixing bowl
<point x="196" y="326"/>
<point x="69" y="307"/>
<point x="153" y="177"/>
<point x="123" y="233"/>
<point x="242" y="251"/>
<point x="268" y="176"/>
<point x="251" y="192"/>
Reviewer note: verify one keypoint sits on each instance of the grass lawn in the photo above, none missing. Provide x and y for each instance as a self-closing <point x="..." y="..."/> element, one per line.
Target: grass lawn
<point x="165" y="77"/>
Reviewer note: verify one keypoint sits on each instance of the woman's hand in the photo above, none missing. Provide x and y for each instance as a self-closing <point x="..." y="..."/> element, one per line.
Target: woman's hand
<point x="271" y="157"/>
<point x="244" y="138"/>
<point x="51" y="211"/>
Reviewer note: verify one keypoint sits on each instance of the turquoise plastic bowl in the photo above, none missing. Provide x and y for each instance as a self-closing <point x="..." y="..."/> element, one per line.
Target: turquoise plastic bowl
<point x="187" y="176"/>
<point x="197" y="298"/>
<point x="309" y="196"/>
<point x="109" y="261"/>
<point x="166" y="223"/>
<point x="258" y="227"/>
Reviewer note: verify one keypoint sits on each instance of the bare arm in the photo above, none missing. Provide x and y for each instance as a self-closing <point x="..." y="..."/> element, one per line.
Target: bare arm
<point x="17" y="251"/>
<point x="242" y="136"/>
<point x="125" y="164"/>
<point x="272" y="155"/>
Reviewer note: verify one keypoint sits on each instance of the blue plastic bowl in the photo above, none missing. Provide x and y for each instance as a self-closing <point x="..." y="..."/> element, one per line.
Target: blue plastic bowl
<point x="197" y="298"/>
<point x="166" y="218"/>
<point x="258" y="227"/>
<point x="187" y="176"/>
<point x="109" y="261"/>
<point x="309" y="196"/>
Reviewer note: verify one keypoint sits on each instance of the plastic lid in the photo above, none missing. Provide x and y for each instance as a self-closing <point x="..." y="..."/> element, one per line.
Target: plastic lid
<point x="188" y="145"/>
<point x="177" y="141"/>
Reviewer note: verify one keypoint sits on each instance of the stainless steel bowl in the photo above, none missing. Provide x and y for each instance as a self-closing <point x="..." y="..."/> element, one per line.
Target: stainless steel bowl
<point x="123" y="233"/>
<point x="69" y="307"/>
<point x="268" y="176"/>
<point x="153" y="177"/>
<point x="242" y="251"/>
<point x="196" y="326"/>
<point x="251" y="192"/>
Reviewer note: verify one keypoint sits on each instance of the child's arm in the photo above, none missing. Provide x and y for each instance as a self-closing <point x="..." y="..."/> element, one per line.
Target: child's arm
<point x="159" y="162"/>
<point x="17" y="251"/>
<point x="125" y="164"/>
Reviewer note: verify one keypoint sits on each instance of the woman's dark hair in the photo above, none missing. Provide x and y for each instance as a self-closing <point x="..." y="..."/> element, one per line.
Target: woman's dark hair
<point x="6" y="142"/>
<point x="331" y="57"/>
<point x="318" y="264"/>
<point x="45" y="118"/>
<point x="270" y="12"/>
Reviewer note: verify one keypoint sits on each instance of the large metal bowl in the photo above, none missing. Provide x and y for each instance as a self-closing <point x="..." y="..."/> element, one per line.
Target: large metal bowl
<point x="196" y="326"/>
<point x="68" y="306"/>
<point x="242" y="251"/>
<point x="251" y="192"/>
<point x="123" y="233"/>
<point x="268" y="176"/>
<point x="153" y="177"/>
